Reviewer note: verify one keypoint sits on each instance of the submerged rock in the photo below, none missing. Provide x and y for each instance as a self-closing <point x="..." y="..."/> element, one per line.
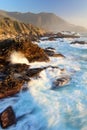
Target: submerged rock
<point x="60" y="82"/>
<point x="7" y="117"/>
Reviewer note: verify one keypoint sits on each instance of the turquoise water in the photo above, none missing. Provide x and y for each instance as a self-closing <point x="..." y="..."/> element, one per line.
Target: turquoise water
<point x="41" y="108"/>
<point x="73" y="98"/>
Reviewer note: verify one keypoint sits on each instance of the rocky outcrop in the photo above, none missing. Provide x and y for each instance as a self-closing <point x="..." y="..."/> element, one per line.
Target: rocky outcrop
<point x="31" y="51"/>
<point x="7" y="117"/>
<point x="60" y="82"/>
<point x="13" y="76"/>
<point x="53" y="36"/>
<point x="10" y="86"/>
<point x="61" y="35"/>
<point x="51" y="52"/>
<point x="11" y="29"/>
<point x="79" y="42"/>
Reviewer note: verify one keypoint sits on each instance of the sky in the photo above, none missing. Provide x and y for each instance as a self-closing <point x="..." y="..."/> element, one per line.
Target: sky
<point x="74" y="11"/>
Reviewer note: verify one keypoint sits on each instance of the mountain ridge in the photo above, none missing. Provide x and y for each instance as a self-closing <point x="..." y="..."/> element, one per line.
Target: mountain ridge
<point x="47" y="21"/>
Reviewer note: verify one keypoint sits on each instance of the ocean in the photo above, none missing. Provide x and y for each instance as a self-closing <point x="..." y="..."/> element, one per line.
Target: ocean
<point x="44" y="108"/>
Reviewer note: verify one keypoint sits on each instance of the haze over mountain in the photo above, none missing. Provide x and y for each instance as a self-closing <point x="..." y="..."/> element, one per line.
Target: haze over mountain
<point x="47" y="21"/>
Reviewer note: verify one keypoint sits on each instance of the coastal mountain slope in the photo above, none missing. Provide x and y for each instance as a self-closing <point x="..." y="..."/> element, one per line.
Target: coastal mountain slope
<point x="11" y="28"/>
<point x="47" y="21"/>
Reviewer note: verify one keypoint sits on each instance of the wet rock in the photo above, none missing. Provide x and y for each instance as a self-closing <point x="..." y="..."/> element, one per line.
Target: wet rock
<point x="34" y="72"/>
<point x="3" y="61"/>
<point x="31" y="51"/>
<point x="17" y="68"/>
<point x="49" y="52"/>
<point x="60" y="82"/>
<point x="7" y="117"/>
<point x="52" y="53"/>
<point x="12" y="78"/>
<point x="50" y="48"/>
<point x="59" y="55"/>
<point x="79" y="42"/>
<point x="10" y="86"/>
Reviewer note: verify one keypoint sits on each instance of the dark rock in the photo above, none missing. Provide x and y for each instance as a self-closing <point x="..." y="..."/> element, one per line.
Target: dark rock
<point x="7" y="117"/>
<point x="14" y="76"/>
<point x="52" y="53"/>
<point x="3" y="62"/>
<point x="51" y="39"/>
<point x="60" y="82"/>
<point x="50" y="48"/>
<point x="52" y="36"/>
<point x="59" y="55"/>
<point x="12" y="79"/>
<point x="17" y="68"/>
<point x="34" y="72"/>
<point x="60" y="35"/>
<point x="31" y="51"/>
<point x="49" y="52"/>
<point x="10" y="86"/>
<point x="79" y="42"/>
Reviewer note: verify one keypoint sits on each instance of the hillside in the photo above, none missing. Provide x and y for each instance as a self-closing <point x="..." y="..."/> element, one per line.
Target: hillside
<point x="11" y="28"/>
<point x="48" y="21"/>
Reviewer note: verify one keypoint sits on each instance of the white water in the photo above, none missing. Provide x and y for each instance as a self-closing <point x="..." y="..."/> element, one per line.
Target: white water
<point x="42" y="108"/>
<point x="18" y="57"/>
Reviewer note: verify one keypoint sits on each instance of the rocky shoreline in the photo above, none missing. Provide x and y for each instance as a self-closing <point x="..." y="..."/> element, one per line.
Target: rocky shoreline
<point x="13" y="74"/>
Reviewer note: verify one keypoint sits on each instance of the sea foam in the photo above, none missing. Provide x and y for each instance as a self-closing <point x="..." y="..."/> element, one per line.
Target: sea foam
<point x="18" y="57"/>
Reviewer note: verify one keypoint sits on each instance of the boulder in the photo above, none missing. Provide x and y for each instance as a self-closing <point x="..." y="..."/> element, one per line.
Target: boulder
<point x="10" y="86"/>
<point x="7" y="117"/>
<point x="60" y="82"/>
